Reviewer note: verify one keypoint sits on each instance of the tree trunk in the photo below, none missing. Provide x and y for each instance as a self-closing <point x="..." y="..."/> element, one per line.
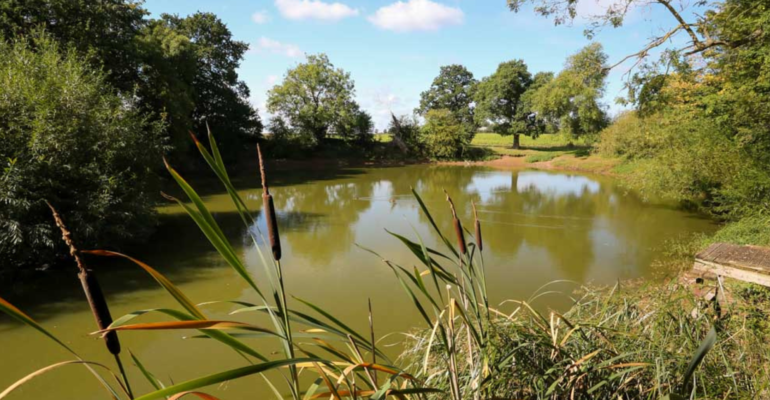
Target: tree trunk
<point x="516" y="141"/>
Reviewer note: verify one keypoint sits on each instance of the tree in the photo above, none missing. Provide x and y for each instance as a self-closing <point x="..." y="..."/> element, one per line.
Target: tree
<point x="357" y="129"/>
<point x="499" y="100"/>
<point x="314" y="97"/>
<point x="181" y="70"/>
<point x="190" y="72"/>
<point x="443" y="135"/>
<point x="405" y="130"/>
<point x="571" y="101"/>
<point x="67" y="138"/>
<point x="453" y="89"/>
<point x="702" y="29"/>
<point x="104" y="28"/>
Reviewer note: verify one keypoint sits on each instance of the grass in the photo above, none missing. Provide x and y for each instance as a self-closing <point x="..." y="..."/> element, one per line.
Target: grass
<point x="627" y="342"/>
<point x="542" y="141"/>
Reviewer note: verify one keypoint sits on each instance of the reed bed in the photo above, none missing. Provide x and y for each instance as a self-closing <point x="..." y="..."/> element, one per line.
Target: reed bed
<point x="631" y="342"/>
<point x="625" y="344"/>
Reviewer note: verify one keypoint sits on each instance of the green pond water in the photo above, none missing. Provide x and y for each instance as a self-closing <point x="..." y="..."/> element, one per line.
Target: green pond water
<point x="538" y="227"/>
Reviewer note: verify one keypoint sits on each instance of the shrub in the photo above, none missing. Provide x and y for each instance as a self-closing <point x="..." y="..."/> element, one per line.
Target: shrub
<point x="405" y="131"/>
<point x="629" y="136"/>
<point x="443" y="136"/>
<point x="65" y="137"/>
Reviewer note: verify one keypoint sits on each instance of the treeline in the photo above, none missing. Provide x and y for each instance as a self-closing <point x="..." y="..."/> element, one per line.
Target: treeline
<point x="512" y="101"/>
<point x="92" y="94"/>
<point x="316" y="100"/>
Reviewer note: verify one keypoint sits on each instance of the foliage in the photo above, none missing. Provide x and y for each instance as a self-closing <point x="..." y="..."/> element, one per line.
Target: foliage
<point x="182" y="71"/>
<point x="702" y="131"/>
<point x="405" y="129"/>
<point x="499" y="101"/>
<point x="358" y="128"/>
<point x="454" y="90"/>
<point x="190" y="75"/>
<point x="104" y="28"/>
<point x="701" y="28"/>
<point x="632" y="341"/>
<point x="67" y="138"/>
<point x="315" y="98"/>
<point x="630" y="136"/>
<point x="443" y="135"/>
<point x="571" y="101"/>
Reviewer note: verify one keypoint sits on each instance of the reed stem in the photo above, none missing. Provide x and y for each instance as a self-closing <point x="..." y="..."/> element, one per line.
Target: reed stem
<point x="125" y="377"/>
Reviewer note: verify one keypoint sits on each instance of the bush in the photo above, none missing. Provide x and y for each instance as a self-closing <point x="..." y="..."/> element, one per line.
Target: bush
<point x="443" y="136"/>
<point x="629" y="136"/>
<point x="65" y="137"/>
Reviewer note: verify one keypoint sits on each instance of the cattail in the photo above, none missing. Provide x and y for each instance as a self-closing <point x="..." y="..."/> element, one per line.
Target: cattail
<point x="458" y="226"/>
<point x="91" y="287"/>
<point x="477" y="225"/>
<point x="267" y="205"/>
<point x="99" y="308"/>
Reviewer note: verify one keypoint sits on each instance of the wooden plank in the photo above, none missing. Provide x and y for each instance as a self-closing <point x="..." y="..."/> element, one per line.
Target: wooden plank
<point x="731" y="272"/>
<point x="705" y="254"/>
<point x="752" y="258"/>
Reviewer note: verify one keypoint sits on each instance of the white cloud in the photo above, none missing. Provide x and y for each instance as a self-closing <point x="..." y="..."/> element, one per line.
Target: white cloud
<point x="276" y="47"/>
<point x="260" y="17"/>
<point x="314" y="9"/>
<point x="271" y="80"/>
<point x="416" y="15"/>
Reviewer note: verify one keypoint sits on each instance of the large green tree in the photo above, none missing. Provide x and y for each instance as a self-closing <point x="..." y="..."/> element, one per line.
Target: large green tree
<point x="105" y="28"/>
<point x="315" y="99"/>
<point x="453" y="89"/>
<point x="572" y="100"/>
<point x="499" y="101"/>
<point x="201" y="59"/>
<point x="182" y="70"/>
<point x="68" y="138"/>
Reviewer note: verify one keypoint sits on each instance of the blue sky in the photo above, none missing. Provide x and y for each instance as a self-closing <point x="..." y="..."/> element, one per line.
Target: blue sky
<point x="393" y="49"/>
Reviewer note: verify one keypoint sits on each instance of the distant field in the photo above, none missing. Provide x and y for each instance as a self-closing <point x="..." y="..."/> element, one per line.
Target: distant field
<point x="550" y="140"/>
<point x="495" y="140"/>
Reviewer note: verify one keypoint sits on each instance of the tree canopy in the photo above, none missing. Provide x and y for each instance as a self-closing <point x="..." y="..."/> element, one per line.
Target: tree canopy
<point x="572" y="100"/>
<point x="67" y="138"/>
<point x="453" y="89"/>
<point x="181" y="69"/>
<point x="316" y="99"/>
<point x="500" y="101"/>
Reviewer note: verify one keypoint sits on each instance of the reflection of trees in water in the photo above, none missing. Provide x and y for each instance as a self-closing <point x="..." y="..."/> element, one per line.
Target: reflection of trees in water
<point x="316" y="219"/>
<point x="568" y="217"/>
<point x="559" y="222"/>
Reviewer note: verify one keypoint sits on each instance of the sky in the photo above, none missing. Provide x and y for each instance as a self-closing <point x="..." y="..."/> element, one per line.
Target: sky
<point x="393" y="49"/>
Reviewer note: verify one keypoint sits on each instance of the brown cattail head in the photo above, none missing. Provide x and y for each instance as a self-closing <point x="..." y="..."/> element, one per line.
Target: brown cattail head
<point x="91" y="287"/>
<point x="99" y="308"/>
<point x="458" y="226"/>
<point x="477" y="225"/>
<point x="269" y="209"/>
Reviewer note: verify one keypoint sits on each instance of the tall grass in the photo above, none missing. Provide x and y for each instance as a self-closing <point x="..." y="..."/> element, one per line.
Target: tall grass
<point x="467" y="350"/>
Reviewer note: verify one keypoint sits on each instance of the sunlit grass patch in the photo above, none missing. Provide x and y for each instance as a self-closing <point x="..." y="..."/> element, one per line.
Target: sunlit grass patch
<point x="546" y="140"/>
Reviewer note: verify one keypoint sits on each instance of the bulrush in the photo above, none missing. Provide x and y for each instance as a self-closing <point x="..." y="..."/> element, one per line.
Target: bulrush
<point x="477" y="225"/>
<point x="269" y="209"/>
<point x="92" y="289"/>
<point x="458" y="225"/>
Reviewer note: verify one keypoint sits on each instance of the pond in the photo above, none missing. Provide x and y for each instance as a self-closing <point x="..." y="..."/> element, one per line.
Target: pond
<point x="538" y="227"/>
